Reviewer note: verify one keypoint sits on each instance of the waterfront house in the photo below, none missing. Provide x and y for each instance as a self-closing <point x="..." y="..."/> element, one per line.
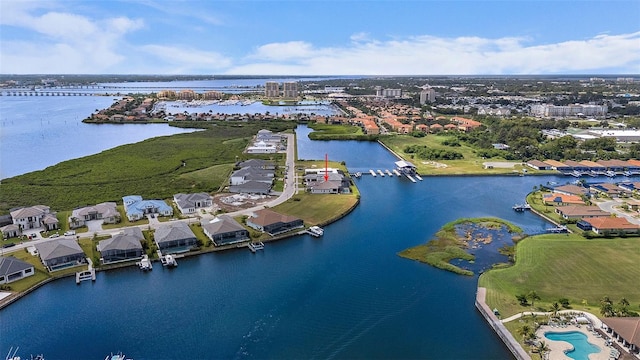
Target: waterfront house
<point x="594" y="168"/>
<point x="122" y="246"/>
<point x="611" y="190"/>
<point x="175" y="237"/>
<point x="561" y="199"/>
<point x="34" y="217"/>
<point x="559" y="166"/>
<point x="60" y="253"/>
<point x="609" y="225"/>
<point x="12" y="269"/>
<point x="224" y="230"/>
<point x="137" y="208"/>
<point x="10" y="231"/>
<point x="189" y="203"/>
<point x="538" y="165"/>
<point x="107" y="212"/>
<point x="580" y="211"/>
<point x="571" y="189"/>
<point x="269" y="137"/>
<point x="325" y="187"/>
<point x="272" y="222"/>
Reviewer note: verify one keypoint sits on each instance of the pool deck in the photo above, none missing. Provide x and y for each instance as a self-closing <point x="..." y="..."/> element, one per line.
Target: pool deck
<point x="559" y="347"/>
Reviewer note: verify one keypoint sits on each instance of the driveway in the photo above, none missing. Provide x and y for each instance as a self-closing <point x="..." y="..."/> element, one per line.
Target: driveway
<point x="612" y="206"/>
<point x="94" y="226"/>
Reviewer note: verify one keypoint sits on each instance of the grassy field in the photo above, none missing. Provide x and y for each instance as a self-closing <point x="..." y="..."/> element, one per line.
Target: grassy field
<point x="154" y="168"/>
<point x="316" y="209"/>
<point x="567" y="266"/>
<point x="471" y="164"/>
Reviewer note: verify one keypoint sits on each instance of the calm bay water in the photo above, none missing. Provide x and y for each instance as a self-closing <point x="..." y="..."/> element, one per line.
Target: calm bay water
<point x="40" y="131"/>
<point x="345" y="295"/>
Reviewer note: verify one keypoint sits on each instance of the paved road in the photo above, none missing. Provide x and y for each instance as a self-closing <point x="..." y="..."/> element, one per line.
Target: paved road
<point x="610" y="207"/>
<point x="290" y="188"/>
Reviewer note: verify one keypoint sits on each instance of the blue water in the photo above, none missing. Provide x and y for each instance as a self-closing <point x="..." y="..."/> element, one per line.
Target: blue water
<point x="581" y="346"/>
<point x="345" y="295"/>
<point x="36" y="132"/>
<point x="322" y="109"/>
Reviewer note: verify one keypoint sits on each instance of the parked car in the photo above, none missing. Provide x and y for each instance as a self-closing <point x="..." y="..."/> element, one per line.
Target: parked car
<point x="70" y="233"/>
<point x="54" y="236"/>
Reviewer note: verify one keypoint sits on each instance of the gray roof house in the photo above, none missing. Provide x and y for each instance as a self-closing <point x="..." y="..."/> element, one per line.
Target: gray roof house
<point x="11" y="230"/>
<point x="60" y="253"/>
<point x="251" y="187"/>
<point x="175" y="237"/>
<point x="251" y="174"/>
<point x="123" y="246"/>
<point x="272" y="222"/>
<point x="12" y="269"/>
<point x="224" y="230"/>
<point x="106" y="211"/>
<point x="189" y="203"/>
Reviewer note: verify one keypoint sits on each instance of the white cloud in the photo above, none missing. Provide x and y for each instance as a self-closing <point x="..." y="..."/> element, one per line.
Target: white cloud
<point x="437" y="55"/>
<point x="65" y="42"/>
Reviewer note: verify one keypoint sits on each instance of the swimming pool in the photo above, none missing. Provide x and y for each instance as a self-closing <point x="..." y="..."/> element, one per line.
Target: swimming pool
<point x="581" y="347"/>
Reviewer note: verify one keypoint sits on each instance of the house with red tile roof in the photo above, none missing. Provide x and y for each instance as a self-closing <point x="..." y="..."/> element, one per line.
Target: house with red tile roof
<point x="609" y="225"/>
<point x="560" y="199"/>
<point x="465" y="124"/>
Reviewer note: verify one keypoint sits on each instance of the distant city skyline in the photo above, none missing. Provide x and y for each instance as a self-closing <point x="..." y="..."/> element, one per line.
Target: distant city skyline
<point x="365" y="37"/>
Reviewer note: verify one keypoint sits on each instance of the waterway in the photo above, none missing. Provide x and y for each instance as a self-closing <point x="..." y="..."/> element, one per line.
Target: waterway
<point x="36" y="132"/>
<point x="345" y="295"/>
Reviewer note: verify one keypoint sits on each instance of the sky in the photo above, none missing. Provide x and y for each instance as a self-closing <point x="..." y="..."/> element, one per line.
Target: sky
<point x="328" y="37"/>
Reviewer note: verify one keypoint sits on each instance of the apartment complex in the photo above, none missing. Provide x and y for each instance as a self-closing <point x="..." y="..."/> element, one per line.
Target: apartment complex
<point x="427" y="95"/>
<point x="546" y="110"/>
<point x="289" y="89"/>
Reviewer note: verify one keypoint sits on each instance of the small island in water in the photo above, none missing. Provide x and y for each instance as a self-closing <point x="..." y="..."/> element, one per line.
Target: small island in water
<point x="455" y="239"/>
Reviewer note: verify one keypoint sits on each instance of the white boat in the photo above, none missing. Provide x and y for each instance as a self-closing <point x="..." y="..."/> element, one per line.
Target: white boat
<point x="315" y="231"/>
<point x="256" y="246"/>
<point x="117" y="356"/>
<point x="169" y="260"/>
<point x="145" y="264"/>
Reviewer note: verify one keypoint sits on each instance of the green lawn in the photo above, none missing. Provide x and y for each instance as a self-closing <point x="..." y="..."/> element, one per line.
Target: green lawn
<point x="567" y="266"/>
<point x="316" y="209"/>
<point x="471" y="164"/>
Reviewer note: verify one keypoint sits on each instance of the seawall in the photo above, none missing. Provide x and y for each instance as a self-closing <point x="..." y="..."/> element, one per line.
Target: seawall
<point x="497" y="326"/>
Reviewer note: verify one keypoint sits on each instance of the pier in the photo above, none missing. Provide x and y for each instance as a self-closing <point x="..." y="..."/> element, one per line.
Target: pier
<point x="89" y="274"/>
<point x="145" y="264"/>
<point x="255" y="246"/>
<point x="372" y="173"/>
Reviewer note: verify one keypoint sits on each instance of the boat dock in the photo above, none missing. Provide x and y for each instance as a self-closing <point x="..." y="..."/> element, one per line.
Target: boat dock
<point x="381" y="173"/>
<point x="558" y="229"/>
<point x="89" y="274"/>
<point x="372" y="173"/>
<point x="395" y="171"/>
<point x="145" y="264"/>
<point x="315" y="231"/>
<point x="521" y="207"/>
<point x="255" y="246"/>
<point x="169" y="261"/>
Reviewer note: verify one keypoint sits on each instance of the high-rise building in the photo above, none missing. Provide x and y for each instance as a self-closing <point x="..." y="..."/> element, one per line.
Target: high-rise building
<point x="271" y="89"/>
<point x="427" y="95"/>
<point x="290" y="89"/>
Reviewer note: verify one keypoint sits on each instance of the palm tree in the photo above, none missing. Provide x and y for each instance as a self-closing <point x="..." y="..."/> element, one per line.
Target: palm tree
<point x="555" y="307"/>
<point x="533" y="296"/>
<point x="542" y="348"/>
<point x="524" y="331"/>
